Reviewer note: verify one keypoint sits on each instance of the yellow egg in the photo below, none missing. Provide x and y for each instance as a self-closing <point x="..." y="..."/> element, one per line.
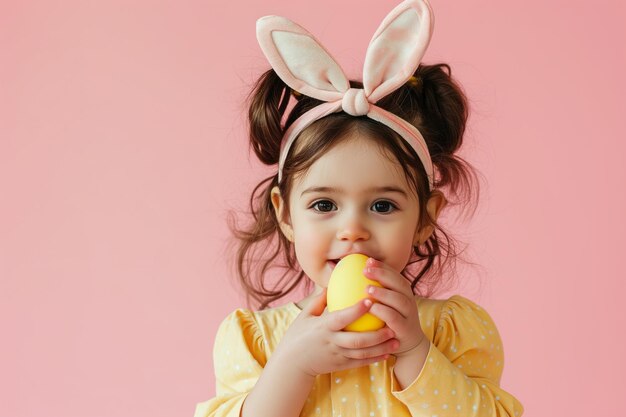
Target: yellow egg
<point x="347" y="286"/>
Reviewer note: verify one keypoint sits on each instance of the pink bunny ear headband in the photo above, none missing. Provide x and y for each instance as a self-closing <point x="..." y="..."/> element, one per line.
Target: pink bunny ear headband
<point x="393" y="55"/>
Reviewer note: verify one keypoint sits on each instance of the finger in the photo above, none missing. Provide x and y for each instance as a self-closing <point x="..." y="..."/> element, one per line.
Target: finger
<point x="317" y="304"/>
<point x="385" y="348"/>
<point x="359" y="340"/>
<point x="390" y="316"/>
<point x="393" y="299"/>
<point x="341" y="318"/>
<point x="389" y="279"/>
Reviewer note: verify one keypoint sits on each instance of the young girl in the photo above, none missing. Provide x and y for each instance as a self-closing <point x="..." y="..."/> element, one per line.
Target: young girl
<point x="361" y="169"/>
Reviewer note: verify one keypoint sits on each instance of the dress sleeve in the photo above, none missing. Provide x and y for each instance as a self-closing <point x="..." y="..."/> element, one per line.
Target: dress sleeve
<point x="463" y="368"/>
<point x="238" y="360"/>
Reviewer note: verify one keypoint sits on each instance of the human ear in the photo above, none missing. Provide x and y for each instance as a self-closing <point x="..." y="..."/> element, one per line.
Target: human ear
<point x="279" y="209"/>
<point x="435" y="204"/>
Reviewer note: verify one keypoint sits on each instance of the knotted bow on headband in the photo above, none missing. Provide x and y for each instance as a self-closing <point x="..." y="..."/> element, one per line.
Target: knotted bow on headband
<point x="393" y="55"/>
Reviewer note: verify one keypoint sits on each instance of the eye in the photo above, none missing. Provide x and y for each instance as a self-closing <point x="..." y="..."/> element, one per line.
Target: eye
<point x="384" y="206"/>
<point x="323" y="205"/>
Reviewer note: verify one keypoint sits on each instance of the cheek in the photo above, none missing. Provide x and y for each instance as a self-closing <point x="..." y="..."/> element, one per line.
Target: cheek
<point x="399" y="248"/>
<point x="311" y="245"/>
<point x="307" y="228"/>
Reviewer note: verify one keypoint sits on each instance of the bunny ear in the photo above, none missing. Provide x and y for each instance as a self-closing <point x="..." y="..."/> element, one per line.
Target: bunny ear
<point x="395" y="51"/>
<point x="300" y="60"/>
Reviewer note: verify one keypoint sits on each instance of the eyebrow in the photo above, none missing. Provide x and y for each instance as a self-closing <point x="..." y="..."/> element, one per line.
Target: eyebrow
<point x="385" y="189"/>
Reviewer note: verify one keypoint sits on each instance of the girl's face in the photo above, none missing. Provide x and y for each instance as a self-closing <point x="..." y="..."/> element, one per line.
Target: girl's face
<point x="354" y="199"/>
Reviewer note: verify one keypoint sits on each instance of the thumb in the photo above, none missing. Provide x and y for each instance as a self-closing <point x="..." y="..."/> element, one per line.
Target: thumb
<point x="317" y="304"/>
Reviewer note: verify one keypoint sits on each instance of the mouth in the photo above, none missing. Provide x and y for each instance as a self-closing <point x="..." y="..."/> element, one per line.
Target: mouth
<point x="333" y="263"/>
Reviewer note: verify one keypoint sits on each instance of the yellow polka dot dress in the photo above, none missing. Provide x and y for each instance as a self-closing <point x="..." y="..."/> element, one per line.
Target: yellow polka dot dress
<point x="461" y="375"/>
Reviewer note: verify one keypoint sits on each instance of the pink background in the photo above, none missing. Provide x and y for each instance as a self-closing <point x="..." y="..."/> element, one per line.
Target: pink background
<point x="122" y="146"/>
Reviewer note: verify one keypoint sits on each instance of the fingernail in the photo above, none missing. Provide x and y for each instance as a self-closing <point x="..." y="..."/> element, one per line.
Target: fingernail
<point x="370" y="290"/>
<point x="371" y="261"/>
<point x="368" y="302"/>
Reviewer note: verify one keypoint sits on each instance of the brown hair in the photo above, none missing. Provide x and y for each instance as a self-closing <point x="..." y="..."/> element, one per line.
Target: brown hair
<point x="432" y="101"/>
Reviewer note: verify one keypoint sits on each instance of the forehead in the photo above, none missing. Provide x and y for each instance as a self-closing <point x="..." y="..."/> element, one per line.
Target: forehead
<point x="355" y="165"/>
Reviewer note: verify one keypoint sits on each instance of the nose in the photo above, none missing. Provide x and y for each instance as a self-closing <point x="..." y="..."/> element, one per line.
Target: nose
<point x="353" y="228"/>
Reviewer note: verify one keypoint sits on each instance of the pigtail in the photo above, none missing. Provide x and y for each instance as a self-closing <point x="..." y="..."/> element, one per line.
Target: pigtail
<point x="445" y="112"/>
<point x="260" y="245"/>
<point x="268" y="101"/>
